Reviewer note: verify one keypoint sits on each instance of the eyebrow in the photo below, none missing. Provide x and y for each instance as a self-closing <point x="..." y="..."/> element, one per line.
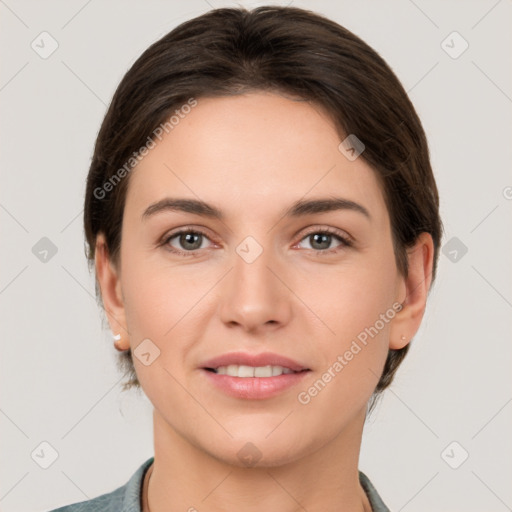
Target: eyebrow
<point x="297" y="209"/>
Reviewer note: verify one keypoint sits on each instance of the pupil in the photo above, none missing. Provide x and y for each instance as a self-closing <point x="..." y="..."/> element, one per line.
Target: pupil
<point x="190" y="240"/>
<point x="321" y="241"/>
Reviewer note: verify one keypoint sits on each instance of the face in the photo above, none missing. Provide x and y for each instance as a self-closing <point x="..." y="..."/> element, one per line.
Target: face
<point x="273" y="252"/>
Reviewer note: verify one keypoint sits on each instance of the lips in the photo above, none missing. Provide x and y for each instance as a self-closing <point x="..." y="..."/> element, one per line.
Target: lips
<point x="253" y="376"/>
<point x="253" y="360"/>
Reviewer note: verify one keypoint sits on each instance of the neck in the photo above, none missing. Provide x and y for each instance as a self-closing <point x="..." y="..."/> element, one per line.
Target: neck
<point x="185" y="477"/>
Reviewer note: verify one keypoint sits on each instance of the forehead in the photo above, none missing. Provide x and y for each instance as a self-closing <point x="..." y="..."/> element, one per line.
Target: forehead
<point x="249" y="151"/>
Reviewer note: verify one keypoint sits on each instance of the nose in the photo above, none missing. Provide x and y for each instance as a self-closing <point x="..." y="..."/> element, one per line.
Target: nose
<point x="254" y="295"/>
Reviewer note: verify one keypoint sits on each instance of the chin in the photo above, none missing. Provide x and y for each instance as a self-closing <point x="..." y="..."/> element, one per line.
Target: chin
<point x="253" y="448"/>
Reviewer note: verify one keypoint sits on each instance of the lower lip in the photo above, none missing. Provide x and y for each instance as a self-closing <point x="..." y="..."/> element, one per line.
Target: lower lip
<point x="255" y="388"/>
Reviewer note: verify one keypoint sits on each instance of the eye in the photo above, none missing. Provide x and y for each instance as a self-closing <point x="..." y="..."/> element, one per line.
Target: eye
<point x="186" y="241"/>
<point x="322" y="241"/>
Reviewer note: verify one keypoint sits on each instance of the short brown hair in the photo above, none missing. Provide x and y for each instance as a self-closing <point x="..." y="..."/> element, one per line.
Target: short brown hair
<point x="277" y="49"/>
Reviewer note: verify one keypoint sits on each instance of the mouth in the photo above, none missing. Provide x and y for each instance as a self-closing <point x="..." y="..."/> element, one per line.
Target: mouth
<point x="243" y="364"/>
<point x="244" y="371"/>
<point x="253" y="376"/>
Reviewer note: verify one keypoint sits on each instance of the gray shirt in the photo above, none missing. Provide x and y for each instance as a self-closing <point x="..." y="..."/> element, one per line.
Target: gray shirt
<point x="127" y="498"/>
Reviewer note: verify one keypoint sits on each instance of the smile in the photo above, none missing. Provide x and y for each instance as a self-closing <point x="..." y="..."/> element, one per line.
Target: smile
<point x="244" y="371"/>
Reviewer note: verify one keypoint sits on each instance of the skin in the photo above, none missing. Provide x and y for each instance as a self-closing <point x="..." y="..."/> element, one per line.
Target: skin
<point x="252" y="156"/>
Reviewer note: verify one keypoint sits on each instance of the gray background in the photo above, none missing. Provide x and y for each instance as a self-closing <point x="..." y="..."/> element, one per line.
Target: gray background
<point x="59" y="382"/>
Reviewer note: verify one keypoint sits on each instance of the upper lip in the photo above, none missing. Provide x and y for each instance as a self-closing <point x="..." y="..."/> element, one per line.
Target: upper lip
<point x="255" y="360"/>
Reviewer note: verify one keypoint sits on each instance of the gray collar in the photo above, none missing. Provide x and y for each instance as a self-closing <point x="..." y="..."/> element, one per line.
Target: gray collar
<point x="128" y="498"/>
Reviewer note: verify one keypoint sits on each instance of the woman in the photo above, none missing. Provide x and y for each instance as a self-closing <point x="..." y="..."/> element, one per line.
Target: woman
<point x="264" y="226"/>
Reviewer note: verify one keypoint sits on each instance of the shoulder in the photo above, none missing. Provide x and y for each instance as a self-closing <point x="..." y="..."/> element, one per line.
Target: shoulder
<point x="123" y="499"/>
<point x="373" y="496"/>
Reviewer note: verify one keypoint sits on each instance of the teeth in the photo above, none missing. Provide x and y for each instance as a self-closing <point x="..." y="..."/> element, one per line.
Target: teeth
<point x="235" y="370"/>
<point x="263" y="371"/>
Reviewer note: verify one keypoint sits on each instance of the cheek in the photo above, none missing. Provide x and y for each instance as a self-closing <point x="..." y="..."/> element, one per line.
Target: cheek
<point x="359" y="313"/>
<point x="157" y="295"/>
<point x="159" y="306"/>
<point x="163" y="304"/>
<point x="352" y="298"/>
<point x="356" y="305"/>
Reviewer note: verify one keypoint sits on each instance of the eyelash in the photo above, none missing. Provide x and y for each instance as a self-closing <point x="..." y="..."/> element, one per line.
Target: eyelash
<point x="345" y="241"/>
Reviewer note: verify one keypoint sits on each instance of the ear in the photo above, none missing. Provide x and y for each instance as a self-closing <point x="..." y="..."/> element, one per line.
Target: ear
<point x="413" y="292"/>
<point x="111" y="293"/>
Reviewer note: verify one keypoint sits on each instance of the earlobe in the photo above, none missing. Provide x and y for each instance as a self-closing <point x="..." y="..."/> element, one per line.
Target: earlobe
<point x="110" y="286"/>
<point x="416" y="285"/>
